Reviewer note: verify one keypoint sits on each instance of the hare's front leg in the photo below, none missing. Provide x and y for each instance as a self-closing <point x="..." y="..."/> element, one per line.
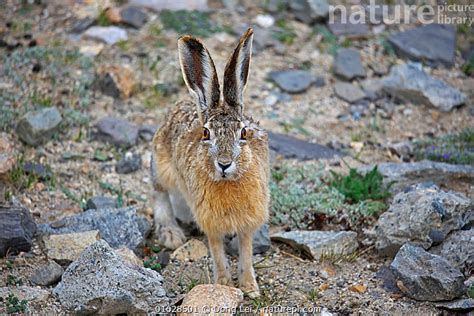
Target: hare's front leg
<point x="168" y="232"/>
<point x="247" y="281"/>
<point x="221" y="269"/>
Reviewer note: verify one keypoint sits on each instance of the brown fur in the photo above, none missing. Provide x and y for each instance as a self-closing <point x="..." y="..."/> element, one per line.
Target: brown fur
<point x="184" y="163"/>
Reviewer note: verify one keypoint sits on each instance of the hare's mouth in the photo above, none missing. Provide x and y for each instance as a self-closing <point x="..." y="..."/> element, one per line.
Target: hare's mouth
<point x="225" y="171"/>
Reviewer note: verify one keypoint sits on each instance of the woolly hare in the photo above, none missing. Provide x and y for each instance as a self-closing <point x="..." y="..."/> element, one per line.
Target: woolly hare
<point x="214" y="158"/>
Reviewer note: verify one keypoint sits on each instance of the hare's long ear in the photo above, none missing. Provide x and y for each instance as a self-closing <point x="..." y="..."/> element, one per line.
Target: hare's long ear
<point x="237" y="71"/>
<point x="199" y="74"/>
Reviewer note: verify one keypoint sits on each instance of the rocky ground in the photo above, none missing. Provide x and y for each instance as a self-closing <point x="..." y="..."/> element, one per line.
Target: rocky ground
<point x="85" y="84"/>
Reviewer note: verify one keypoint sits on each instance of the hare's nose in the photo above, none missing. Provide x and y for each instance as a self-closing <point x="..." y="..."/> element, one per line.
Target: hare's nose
<point x="224" y="165"/>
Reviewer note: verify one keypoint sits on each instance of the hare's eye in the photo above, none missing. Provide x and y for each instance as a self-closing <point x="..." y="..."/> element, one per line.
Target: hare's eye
<point x="243" y="133"/>
<point x="205" y="134"/>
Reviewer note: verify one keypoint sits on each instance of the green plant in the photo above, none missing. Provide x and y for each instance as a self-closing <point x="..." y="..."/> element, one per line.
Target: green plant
<point x="15" y="305"/>
<point x="470" y="291"/>
<point x="13" y="280"/>
<point x="152" y="263"/>
<point x="468" y="67"/>
<point x="102" y="19"/>
<point x="284" y="33"/>
<point x="358" y="187"/>
<point x="81" y="200"/>
<point x="313" y="295"/>
<point x="298" y="192"/>
<point x="19" y="178"/>
<point x="457" y="148"/>
<point x="189" y="22"/>
<point x="295" y="123"/>
<point x="329" y="42"/>
<point x="100" y="155"/>
<point x="9" y="264"/>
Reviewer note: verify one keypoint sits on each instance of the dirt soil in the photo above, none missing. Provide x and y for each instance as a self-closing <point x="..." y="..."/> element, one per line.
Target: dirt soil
<point x="285" y="278"/>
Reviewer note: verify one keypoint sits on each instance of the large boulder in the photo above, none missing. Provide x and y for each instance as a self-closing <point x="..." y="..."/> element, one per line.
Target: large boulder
<point x="426" y="277"/>
<point x="423" y="215"/>
<point x="410" y="173"/>
<point x="434" y="43"/>
<point x="119" y="227"/>
<point x="66" y="248"/>
<point x="411" y="84"/>
<point x="17" y="229"/>
<point x="101" y="282"/>
<point x="458" y="249"/>
<point x="315" y="244"/>
<point x="293" y="148"/>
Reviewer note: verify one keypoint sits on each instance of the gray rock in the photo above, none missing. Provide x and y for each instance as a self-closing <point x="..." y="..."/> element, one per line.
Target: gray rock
<point x="262" y="38"/>
<point x="116" y="131"/>
<point x="37" y="127"/>
<point x="106" y="34"/>
<point x="434" y="43"/>
<point x="101" y="282"/>
<point x="414" y="214"/>
<point x="293" y="148"/>
<point x="309" y="11"/>
<point x="159" y="5"/>
<point x="426" y="277"/>
<point x="107" y="84"/>
<point x="166" y="88"/>
<point x="99" y="202"/>
<point x="348" y="92"/>
<point x="133" y="16"/>
<point x="37" y="170"/>
<point x="261" y="242"/>
<point x="147" y="132"/>
<point x="82" y="24"/>
<point x="347" y="64"/>
<point x="409" y="173"/>
<point x="373" y="88"/>
<point x="389" y="282"/>
<point x="17" y="228"/>
<point x="460" y="305"/>
<point x="129" y="163"/>
<point x="410" y="84"/>
<point x="319" y="82"/>
<point x="458" y="249"/>
<point x="119" y="227"/>
<point x="275" y="6"/>
<point x="292" y="81"/>
<point x="66" y="248"/>
<point x="47" y="274"/>
<point x="315" y="244"/>
<point x="348" y="29"/>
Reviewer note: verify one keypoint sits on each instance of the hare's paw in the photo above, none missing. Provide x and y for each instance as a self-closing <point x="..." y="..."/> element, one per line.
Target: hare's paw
<point x="170" y="236"/>
<point x="249" y="286"/>
<point x="224" y="280"/>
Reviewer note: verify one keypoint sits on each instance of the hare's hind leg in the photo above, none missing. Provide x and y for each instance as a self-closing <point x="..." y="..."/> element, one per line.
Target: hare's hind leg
<point x="167" y="230"/>
<point x="247" y="281"/>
